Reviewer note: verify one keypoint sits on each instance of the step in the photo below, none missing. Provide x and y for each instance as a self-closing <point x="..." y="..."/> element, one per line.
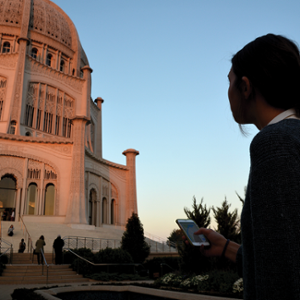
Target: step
<point x="44" y="280"/>
<point x="29" y="274"/>
<point x="34" y="272"/>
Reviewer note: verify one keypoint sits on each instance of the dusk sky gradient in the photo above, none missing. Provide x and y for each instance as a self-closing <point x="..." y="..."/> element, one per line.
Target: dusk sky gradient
<point x="161" y="67"/>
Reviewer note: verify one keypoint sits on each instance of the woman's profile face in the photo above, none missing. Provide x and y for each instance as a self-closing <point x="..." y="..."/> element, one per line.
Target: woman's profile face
<point x="235" y="98"/>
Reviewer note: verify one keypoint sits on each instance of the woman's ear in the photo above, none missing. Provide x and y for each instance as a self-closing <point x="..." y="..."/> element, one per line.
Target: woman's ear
<point x="246" y="87"/>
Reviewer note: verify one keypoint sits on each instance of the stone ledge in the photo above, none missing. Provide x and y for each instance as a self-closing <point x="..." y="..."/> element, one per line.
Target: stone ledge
<point x="51" y="293"/>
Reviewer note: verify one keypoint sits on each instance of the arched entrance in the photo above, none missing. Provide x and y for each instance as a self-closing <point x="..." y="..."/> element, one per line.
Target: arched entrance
<point x="49" y="200"/>
<point x="112" y="211"/>
<point x="7" y="196"/>
<point x="31" y="205"/>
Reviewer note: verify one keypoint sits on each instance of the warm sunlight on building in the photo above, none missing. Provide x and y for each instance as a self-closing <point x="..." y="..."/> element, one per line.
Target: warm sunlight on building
<point x="51" y="164"/>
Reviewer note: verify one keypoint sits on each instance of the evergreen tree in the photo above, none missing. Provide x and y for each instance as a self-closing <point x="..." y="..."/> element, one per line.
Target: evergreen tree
<point x="133" y="240"/>
<point x="176" y="237"/>
<point x="192" y="261"/>
<point x="200" y="214"/>
<point x="241" y="199"/>
<point x="228" y="222"/>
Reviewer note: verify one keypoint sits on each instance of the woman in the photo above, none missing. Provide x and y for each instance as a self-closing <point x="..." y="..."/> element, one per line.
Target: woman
<point x="265" y="91"/>
<point x="10" y="231"/>
<point x="39" y="245"/>
<point x="22" y="246"/>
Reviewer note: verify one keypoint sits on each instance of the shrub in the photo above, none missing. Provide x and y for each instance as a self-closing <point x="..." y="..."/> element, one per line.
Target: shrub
<point x="81" y="266"/>
<point x="154" y="265"/>
<point x="115" y="256"/>
<point x="219" y="281"/>
<point x="115" y="277"/>
<point x="26" y="294"/>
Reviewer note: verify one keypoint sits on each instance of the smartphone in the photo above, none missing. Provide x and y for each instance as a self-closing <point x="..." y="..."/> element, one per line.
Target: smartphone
<point x="189" y="227"/>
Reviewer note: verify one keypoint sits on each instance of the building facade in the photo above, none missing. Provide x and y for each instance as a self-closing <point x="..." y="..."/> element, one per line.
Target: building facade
<point x="51" y="164"/>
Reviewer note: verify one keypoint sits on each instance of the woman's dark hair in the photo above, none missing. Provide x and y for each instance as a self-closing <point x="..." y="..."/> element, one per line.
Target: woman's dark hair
<point x="42" y="237"/>
<point x="272" y="64"/>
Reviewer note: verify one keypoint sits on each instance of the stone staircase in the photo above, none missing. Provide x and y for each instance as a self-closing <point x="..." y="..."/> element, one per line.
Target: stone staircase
<point x="23" y="271"/>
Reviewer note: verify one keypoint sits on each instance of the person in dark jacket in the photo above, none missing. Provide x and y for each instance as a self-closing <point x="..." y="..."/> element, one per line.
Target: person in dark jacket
<point x="22" y="246"/>
<point x="39" y="247"/>
<point x="58" y="245"/>
<point x="264" y="90"/>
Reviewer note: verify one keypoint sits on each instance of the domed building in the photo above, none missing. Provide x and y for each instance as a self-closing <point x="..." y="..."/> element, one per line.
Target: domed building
<point x="51" y="164"/>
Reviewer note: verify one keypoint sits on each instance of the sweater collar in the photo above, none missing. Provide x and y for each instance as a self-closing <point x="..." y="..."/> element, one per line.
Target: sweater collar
<point x="287" y="114"/>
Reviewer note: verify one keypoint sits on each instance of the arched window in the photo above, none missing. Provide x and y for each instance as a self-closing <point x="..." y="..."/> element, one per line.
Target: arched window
<point x="7" y="192"/>
<point x="31" y="199"/>
<point x="112" y="211"/>
<point x="6" y="47"/>
<point x="62" y="65"/>
<point x="49" y="60"/>
<point x="92" y="208"/>
<point x="13" y="125"/>
<point x="34" y="53"/>
<point x="104" y="211"/>
<point x="49" y="200"/>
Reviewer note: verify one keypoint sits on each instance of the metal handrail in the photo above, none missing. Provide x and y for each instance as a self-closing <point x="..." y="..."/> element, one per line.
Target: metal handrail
<point x="96" y="244"/>
<point x="44" y="258"/>
<point x="28" y="237"/>
<point x="105" y="264"/>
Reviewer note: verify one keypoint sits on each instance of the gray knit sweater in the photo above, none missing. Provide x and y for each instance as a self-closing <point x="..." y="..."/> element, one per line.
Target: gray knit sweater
<point x="269" y="258"/>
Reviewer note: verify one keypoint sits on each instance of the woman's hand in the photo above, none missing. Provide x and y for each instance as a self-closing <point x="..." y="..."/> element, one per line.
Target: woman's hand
<point x="216" y="240"/>
<point x="217" y="244"/>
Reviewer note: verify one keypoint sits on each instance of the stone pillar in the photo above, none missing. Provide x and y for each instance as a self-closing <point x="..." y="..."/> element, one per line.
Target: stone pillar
<point x="42" y="191"/>
<point x="131" y="198"/>
<point x="18" y="199"/>
<point x="100" y="202"/>
<point x="98" y="138"/>
<point x="109" y="204"/>
<point x="76" y="209"/>
<point x="24" y="194"/>
<point x="15" y="110"/>
<point x="98" y="212"/>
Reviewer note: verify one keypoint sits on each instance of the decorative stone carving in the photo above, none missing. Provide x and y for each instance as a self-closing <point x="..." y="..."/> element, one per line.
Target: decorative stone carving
<point x="11" y="12"/>
<point x="8" y="60"/>
<point x="12" y="162"/>
<point x="32" y="93"/>
<point x="105" y="189"/>
<point x="114" y="192"/>
<point x="3" y="82"/>
<point x="19" y="82"/>
<point x="33" y="164"/>
<point x="33" y="66"/>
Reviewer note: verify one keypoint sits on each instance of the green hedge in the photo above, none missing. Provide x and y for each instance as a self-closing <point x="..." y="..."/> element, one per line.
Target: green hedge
<point x="169" y="264"/>
<point x="108" y="255"/>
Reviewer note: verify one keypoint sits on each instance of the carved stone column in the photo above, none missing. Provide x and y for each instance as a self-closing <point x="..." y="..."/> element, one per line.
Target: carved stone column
<point x="76" y="210"/>
<point x="98" y="138"/>
<point x="131" y="198"/>
<point x="20" y="69"/>
<point x="24" y="187"/>
<point x="18" y="199"/>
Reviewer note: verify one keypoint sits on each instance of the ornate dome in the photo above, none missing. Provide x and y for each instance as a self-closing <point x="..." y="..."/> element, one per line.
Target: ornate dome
<point x="46" y="19"/>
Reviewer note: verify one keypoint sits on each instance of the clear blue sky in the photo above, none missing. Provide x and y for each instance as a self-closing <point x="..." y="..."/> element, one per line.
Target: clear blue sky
<point x="161" y="67"/>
